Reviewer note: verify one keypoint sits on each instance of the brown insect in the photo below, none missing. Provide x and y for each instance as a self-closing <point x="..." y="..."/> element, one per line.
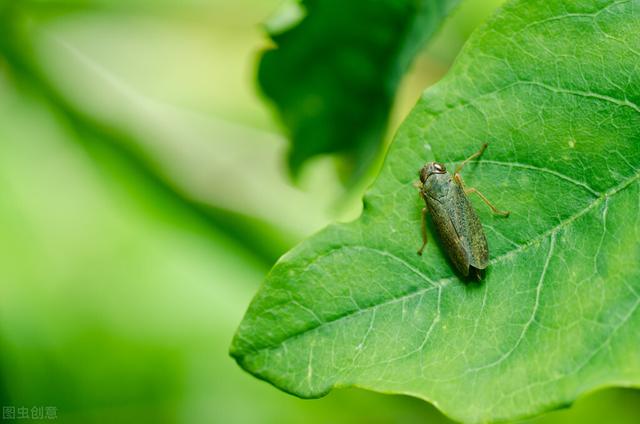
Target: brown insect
<point x="454" y="218"/>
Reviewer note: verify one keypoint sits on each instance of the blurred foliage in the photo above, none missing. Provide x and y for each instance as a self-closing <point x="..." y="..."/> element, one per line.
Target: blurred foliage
<point x="334" y="74"/>
<point x="142" y="201"/>
<point x="122" y="302"/>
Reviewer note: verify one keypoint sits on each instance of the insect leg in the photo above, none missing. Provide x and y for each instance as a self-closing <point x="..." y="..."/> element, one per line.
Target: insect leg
<point x="472" y="157"/>
<point x="485" y="200"/>
<point x="458" y="179"/>
<point x="424" y="231"/>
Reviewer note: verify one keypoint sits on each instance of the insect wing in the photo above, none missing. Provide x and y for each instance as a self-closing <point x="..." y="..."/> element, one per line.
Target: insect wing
<point x="468" y="226"/>
<point x="441" y="216"/>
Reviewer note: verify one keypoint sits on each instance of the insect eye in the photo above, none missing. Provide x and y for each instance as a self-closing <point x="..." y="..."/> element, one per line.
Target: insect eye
<point x="438" y="167"/>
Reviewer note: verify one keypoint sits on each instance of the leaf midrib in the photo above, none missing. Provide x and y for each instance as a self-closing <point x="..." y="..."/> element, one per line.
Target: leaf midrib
<point x="443" y="282"/>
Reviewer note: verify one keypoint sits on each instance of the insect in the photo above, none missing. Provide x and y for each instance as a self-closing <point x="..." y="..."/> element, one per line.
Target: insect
<point x="453" y="216"/>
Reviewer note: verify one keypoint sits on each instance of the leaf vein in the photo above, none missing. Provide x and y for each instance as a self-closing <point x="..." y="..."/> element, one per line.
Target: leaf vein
<point x="543" y="170"/>
<point x="442" y="283"/>
<point x="534" y="311"/>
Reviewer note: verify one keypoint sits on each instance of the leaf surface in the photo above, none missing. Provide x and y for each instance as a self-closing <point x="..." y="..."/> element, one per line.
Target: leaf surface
<point x="554" y="88"/>
<point x="333" y="76"/>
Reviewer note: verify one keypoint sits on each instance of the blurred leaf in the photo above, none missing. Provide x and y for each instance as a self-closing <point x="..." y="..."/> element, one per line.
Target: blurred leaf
<point x="333" y="77"/>
<point x="97" y="79"/>
<point x="553" y="88"/>
<point x="109" y="286"/>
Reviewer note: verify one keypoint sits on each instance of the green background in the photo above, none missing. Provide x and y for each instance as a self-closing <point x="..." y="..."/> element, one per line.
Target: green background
<point x="143" y="198"/>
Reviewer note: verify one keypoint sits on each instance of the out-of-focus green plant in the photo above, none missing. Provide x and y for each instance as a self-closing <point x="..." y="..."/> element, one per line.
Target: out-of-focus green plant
<point x="334" y="75"/>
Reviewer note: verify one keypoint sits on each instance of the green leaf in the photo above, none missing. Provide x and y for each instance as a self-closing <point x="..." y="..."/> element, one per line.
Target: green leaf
<point x="554" y="88"/>
<point x="333" y="76"/>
